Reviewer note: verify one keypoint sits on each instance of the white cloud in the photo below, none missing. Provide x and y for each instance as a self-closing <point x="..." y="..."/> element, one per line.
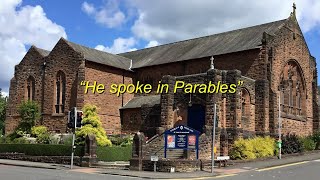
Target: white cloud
<point x="108" y="15"/>
<point x="309" y="14"/>
<point x="88" y="8"/>
<point x="167" y="21"/>
<point x="21" y="26"/>
<point x="119" y="45"/>
<point x="152" y="44"/>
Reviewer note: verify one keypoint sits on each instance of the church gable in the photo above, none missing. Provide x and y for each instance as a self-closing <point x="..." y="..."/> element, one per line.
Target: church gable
<point x="33" y="56"/>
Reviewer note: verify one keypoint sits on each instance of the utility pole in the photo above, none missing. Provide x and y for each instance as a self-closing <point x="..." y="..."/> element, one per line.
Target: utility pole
<point x="213" y="137"/>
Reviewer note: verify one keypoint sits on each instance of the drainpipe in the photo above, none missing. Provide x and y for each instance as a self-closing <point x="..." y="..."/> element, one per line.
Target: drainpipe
<point x="42" y="98"/>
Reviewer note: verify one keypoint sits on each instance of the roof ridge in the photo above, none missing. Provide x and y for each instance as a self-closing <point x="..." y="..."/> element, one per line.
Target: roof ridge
<point x="40" y="50"/>
<point x="73" y="43"/>
<point x="225" y="32"/>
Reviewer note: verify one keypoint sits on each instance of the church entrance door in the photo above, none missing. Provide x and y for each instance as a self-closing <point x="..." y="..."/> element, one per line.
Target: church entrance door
<point x="196" y="117"/>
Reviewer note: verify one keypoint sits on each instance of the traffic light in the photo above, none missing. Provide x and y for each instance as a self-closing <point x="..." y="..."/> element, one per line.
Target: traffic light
<point x="71" y="118"/>
<point x="79" y="118"/>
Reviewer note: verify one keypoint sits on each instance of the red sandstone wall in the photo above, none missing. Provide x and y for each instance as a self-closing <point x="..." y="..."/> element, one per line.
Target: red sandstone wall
<point x="289" y="44"/>
<point x="107" y="103"/>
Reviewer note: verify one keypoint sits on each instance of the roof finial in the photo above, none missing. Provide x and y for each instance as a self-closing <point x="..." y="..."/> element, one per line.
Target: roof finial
<point x="294" y="8"/>
<point x="212" y="63"/>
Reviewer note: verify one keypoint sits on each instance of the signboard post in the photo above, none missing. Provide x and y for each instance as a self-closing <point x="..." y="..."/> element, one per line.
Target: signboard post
<point x="182" y="137"/>
<point x="154" y="159"/>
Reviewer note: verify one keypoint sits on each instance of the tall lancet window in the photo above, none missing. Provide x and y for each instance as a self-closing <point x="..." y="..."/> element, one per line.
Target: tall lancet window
<point x="30" y="89"/>
<point x="292" y="89"/>
<point x="60" y="92"/>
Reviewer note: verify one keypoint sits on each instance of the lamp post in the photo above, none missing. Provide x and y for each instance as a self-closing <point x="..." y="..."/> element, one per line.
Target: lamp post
<point x="279" y="125"/>
<point x="213" y="137"/>
<point x="281" y="89"/>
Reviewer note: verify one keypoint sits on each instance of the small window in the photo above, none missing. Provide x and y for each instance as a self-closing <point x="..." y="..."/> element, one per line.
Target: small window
<point x="60" y="92"/>
<point x="30" y="89"/>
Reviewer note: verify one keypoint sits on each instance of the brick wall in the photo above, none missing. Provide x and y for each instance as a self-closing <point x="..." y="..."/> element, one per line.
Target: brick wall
<point x="108" y="104"/>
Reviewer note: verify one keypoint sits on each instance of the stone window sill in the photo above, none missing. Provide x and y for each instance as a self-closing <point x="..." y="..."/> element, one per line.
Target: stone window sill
<point x="293" y="117"/>
<point x="58" y="115"/>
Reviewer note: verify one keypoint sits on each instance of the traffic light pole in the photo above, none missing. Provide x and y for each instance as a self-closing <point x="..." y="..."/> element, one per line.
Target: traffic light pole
<point x="73" y="136"/>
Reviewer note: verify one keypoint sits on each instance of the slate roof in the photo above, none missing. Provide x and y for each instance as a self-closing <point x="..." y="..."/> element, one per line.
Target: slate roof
<point x="43" y="52"/>
<point x="101" y="57"/>
<point x="223" y="43"/>
<point x="138" y="101"/>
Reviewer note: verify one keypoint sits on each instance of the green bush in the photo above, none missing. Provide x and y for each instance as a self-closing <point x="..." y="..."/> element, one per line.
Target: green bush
<point x="291" y="144"/>
<point x="252" y="148"/>
<point x="308" y="143"/>
<point x="40" y="149"/>
<point x="38" y="130"/>
<point x="114" y="153"/>
<point x="44" y="138"/>
<point x="29" y="113"/>
<point x="121" y="140"/>
<point x="92" y="126"/>
<point x="316" y="139"/>
<point x="20" y="140"/>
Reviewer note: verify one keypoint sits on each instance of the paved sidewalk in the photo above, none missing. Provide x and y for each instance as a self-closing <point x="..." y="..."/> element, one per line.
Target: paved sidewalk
<point x="34" y="164"/>
<point x="235" y="169"/>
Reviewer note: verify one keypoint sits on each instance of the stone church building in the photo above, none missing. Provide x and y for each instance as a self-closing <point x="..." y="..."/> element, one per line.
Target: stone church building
<point x="272" y="60"/>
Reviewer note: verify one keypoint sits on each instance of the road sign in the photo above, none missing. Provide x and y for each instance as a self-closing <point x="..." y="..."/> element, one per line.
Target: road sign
<point x="154" y="158"/>
<point x="223" y="157"/>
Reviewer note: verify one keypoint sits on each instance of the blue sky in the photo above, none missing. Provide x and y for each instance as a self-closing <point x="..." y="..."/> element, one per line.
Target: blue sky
<point x="124" y="25"/>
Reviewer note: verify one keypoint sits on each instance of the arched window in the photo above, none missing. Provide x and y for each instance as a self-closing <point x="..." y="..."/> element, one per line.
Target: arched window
<point x="60" y="92"/>
<point x="292" y="89"/>
<point x="30" y="89"/>
<point x="245" y="102"/>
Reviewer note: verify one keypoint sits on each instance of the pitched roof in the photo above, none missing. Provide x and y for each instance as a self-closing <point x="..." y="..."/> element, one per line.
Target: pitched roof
<point x="138" y="101"/>
<point x="223" y="43"/>
<point x="43" y="52"/>
<point x="101" y="57"/>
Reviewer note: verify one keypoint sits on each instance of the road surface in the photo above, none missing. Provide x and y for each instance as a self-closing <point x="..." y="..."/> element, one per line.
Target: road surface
<point x="305" y="170"/>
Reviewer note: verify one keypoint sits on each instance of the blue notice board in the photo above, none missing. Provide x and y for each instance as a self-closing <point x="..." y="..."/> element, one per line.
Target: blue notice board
<point x="181" y="137"/>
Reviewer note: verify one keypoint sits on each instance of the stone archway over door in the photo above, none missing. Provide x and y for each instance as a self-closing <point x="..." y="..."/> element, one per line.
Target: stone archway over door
<point x="196" y="117"/>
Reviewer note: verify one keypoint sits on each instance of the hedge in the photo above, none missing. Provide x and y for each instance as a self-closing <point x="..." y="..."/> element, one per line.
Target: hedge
<point x="115" y="153"/>
<point x="40" y="149"/>
<point x="258" y="147"/>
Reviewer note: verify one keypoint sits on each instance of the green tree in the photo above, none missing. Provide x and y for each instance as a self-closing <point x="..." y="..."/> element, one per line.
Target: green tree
<point x="29" y="114"/>
<point x="92" y="126"/>
<point x="3" y="104"/>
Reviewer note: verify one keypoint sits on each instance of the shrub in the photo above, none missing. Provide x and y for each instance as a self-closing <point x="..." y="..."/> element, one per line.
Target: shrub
<point x="257" y="147"/>
<point x="121" y="140"/>
<point x="92" y="126"/>
<point x="5" y="140"/>
<point x="263" y="146"/>
<point x="29" y="113"/>
<point x="308" y="143"/>
<point x="38" y="130"/>
<point x="20" y="140"/>
<point x="291" y="144"/>
<point x="114" y="153"/>
<point x="44" y="138"/>
<point x="316" y="139"/>
<point x="242" y="149"/>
